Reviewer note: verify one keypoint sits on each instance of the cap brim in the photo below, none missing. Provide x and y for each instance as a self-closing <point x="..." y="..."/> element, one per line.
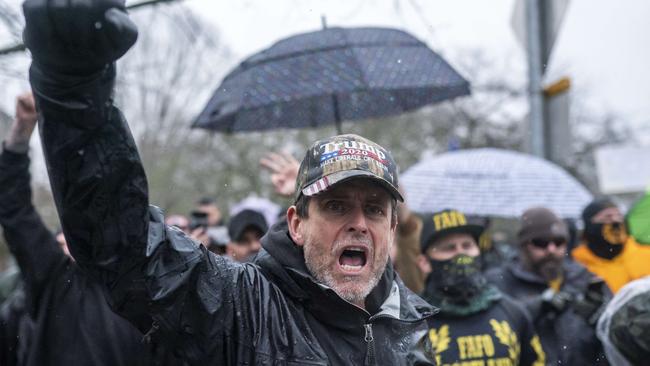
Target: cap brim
<point x="333" y="179"/>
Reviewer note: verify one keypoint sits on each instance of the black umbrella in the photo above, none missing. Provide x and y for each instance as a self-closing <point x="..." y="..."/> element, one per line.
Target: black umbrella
<point x="324" y="77"/>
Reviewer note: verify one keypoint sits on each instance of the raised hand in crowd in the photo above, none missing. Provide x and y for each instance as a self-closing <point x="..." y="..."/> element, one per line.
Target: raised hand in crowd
<point x="284" y="172"/>
<point x="23" y="125"/>
<point x="200" y="234"/>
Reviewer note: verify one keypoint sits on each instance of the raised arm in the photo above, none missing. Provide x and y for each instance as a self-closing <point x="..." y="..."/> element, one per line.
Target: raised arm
<point x="165" y="283"/>
<point x="29" y="240"/>
<point x="98" y="183"/>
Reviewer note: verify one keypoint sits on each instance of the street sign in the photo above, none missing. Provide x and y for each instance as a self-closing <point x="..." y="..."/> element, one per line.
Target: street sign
<point x="623" y="169"/>
<point x="554" y="11"/>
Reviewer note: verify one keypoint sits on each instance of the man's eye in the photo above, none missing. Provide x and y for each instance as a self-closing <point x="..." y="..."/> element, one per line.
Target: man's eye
<point x="335" y="206"/>
<point x="446" y="247"/>
<point x="375" y="210"/>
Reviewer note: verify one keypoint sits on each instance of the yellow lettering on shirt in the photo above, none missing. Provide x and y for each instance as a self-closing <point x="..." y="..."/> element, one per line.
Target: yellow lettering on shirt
<point x="488" y="345"/>
<point x="504" y="361"/>
<point x="462" y="348"/>
<point x="475" y="346"/>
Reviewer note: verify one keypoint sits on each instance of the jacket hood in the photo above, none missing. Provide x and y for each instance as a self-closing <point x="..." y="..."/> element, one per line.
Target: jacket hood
<point x="282" y="261"/>
<point x="621" y="319"/>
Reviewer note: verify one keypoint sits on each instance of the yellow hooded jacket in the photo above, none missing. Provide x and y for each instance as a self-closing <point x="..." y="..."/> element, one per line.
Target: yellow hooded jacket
<point x="631" y="264"/>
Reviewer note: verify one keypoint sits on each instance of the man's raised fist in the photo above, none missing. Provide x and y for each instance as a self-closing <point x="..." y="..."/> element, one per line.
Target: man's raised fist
<point x="77" y="36"/>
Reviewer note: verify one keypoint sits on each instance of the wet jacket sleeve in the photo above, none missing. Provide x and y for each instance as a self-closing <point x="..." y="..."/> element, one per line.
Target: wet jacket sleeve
<point x="166" y="284"/>
<point x="100" y="191"/>
<point x="32" y="244"/>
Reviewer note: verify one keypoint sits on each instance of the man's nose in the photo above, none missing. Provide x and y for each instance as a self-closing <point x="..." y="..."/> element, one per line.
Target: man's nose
<point x="357" y="221"/>
<point x="552" y="246"/>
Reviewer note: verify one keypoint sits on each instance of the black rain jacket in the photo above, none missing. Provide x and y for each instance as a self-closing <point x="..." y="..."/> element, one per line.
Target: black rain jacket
<point x="70" y="322"/>
<point x="207" y="308"/>
<point x="566" y="337"/>
<point x="15" y="328"/>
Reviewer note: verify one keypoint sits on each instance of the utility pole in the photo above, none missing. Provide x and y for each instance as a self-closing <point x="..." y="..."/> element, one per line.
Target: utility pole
<point x="534" y="51"/>
<point x="537" y="23"/>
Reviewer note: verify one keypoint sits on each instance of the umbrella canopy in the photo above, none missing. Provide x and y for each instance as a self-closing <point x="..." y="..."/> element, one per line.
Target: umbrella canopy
<point x="638" y="220"/>
<point x="492" y="182"/>
<point x="270" y="210"/>
<point x="324" y="77"/>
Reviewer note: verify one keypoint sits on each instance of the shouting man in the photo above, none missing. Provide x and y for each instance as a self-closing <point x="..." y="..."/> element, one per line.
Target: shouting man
<point x="321" y="292"/>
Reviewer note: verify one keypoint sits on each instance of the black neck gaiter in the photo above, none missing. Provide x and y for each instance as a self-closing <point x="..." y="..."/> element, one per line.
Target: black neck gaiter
<point x="606" y="240"/>
<point x="458" y="287"/>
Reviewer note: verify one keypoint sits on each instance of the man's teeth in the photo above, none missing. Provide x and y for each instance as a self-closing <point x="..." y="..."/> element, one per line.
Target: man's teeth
<point x="350" y="267"/>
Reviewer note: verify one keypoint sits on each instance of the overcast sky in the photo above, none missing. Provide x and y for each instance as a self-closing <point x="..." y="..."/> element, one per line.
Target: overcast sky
<point x="603" y="45"/>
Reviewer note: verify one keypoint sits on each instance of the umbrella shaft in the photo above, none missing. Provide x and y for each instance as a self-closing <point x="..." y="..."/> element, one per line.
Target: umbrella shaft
<point x="337" y="114"/>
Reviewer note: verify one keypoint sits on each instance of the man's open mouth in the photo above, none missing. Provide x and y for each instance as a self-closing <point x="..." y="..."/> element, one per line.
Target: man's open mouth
<point x="353" y="258"/>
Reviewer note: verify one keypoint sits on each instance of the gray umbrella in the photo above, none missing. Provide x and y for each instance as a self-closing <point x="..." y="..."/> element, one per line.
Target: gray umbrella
<point x="328" y="76"/>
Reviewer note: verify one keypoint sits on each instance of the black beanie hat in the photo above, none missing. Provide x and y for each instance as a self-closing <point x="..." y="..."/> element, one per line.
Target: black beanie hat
<point x="595" y="207"/>
<point x="540" y="222"/>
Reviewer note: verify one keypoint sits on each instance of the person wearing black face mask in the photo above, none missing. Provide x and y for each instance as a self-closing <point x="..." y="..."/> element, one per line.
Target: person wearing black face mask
<point x="562" y="297"/>
<point x="477" y="324"/>
<point x="607" y="250"/>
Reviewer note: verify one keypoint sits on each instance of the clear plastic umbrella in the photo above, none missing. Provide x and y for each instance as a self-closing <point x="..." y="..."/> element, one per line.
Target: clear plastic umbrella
<point x="492" y="182"/>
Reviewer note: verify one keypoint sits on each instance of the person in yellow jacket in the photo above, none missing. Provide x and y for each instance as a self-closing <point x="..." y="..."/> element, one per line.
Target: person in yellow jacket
<point x="607" y="250"/>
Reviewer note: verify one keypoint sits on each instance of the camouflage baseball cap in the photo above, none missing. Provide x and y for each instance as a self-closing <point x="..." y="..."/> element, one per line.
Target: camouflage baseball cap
<point x="343" y="157"/>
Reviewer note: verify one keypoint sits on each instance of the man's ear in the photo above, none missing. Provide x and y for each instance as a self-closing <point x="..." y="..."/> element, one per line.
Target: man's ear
<point x="423" y="264"/>
<point x="294" y="221"/>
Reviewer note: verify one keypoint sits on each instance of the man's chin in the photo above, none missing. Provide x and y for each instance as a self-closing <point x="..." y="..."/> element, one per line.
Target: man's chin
<point x="352" y="294"/>
<point x="355" y="289"/>
<point x="551" y="270"/>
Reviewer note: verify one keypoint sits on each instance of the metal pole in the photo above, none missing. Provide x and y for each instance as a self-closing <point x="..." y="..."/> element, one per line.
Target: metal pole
<point x="21" y="47"/>
<point x="12" y="49"/>
<point x="535" y="71"/>
<point x="337" y="114"/>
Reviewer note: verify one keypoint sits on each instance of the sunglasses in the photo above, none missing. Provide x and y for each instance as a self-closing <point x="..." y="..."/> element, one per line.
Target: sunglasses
<point x="544" y="243"/>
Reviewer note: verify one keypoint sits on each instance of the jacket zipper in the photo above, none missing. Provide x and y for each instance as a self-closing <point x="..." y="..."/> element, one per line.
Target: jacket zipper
<point x="370" y="348"/>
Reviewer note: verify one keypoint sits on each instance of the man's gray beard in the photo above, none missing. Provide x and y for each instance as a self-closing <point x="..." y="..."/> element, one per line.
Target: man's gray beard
<point x="321" y="273"/>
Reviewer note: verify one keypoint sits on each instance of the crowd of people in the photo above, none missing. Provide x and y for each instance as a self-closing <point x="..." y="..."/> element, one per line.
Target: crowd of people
<point x="346" y="275"/>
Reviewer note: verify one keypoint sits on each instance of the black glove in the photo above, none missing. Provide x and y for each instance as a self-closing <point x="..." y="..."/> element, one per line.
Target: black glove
<point x="556" y="301"/>
<point x="77" y="36"/>
<point x="592" y="303"/>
